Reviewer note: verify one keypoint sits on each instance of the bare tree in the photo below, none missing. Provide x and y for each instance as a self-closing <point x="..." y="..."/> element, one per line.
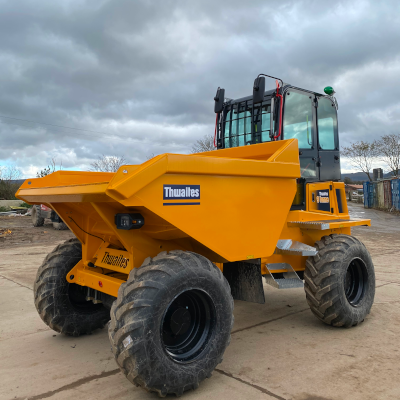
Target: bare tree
<point x="9" y="182"/>
<point x="389" y="152"/>
<point x="107" y="163"/>
<point x="361" y="155"/>
<point x="204" y="144"/>
<point x="150" y="156"/>
<point x="49" y="170"/>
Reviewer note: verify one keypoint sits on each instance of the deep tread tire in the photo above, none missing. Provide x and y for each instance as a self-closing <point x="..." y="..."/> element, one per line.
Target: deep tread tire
<point x="52" y="294"/>
<point x="37" y="220"/>
<point x="324" y="281"/>
<point x="60" y="226"/>
<point x="137" y="315"/>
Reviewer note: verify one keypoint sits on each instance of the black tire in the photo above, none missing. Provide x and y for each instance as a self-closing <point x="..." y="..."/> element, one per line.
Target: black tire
<point x="60" y="226"/>
<point x="62" y="305"/>
<point x="151" y="349"/>
<point x="37" y="220"/>
<point x="340" y="281"/>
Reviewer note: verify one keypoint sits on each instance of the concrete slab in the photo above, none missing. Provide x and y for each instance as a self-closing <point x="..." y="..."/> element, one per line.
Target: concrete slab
<point x="278" y="350"/>
<point x="16" y="308"/>
<point x="116" y="386"/>
<point x="50" y="360"/>
<point x="20" y="264"/>
<point x="278" y="304"/>
<point x="299" y="357"/>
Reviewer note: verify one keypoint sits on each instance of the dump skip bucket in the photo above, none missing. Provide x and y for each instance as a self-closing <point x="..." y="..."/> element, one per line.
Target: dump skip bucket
<point x="228" y="204"/>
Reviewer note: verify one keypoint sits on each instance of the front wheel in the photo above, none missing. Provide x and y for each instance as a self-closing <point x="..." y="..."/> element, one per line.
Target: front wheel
<point x="62" y="305"/>
<point x="340" y="281"/>
<point x="171" y="322"/>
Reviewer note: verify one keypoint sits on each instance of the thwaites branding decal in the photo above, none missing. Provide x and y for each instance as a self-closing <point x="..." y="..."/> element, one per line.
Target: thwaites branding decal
<point x="323" y="200"/>
<point x="116" y="260"/>
<point x="119" y="261"/>
<point x="181" y="192"/>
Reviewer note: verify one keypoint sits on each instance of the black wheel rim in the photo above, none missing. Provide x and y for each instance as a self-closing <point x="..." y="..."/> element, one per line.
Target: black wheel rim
<point x="187" y="325"/>
<point x="355" y="281"/>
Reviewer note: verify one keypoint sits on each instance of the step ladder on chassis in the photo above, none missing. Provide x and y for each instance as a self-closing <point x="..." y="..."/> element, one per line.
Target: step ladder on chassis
<point x="290" y="279"/>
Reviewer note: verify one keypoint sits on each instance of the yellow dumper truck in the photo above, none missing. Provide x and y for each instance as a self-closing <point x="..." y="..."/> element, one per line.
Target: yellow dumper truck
<point x="164" y="247"/>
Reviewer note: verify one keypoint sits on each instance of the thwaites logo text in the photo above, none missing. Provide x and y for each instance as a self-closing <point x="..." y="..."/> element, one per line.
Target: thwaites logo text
<point x="181" y="192"/>
<point x="323" y="197"/>
<point x="118" y="261"/>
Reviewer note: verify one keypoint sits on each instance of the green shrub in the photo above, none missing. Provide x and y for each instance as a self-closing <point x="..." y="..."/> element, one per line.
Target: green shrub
<point x="8" y="190"/>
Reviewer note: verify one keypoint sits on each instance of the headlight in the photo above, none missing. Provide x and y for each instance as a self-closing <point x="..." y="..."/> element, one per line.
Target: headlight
<point x="129" y="221"/>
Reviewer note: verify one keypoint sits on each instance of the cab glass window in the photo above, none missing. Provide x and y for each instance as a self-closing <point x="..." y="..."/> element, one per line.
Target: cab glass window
<point x="238" y="120"/>
<point x="261" y="122"/>
<point x="307" y="167"/>
<point x="298" y="119"/>
<point x="327" y="124"/>
<point x="237" y="125"/>
<point x="265" y="123"/>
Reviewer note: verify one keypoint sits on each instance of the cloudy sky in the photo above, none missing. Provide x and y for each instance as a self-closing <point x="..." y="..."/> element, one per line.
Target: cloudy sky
<point x="136" y="77"/>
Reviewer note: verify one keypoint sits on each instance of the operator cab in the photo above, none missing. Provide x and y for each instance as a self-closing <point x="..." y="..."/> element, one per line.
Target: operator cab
<point x="309" y="117"/>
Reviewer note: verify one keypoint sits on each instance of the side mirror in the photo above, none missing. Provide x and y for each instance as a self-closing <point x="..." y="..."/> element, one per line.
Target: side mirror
<point x="219" y="100"/>
<point x="258" y="89"/>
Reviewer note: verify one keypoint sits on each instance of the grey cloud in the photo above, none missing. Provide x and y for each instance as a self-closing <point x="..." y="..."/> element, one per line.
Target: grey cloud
<point x="145" y="72"/>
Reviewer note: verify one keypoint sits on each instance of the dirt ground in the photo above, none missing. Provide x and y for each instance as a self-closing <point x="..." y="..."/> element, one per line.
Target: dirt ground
<point x="24" y="233"/>
<point x="278" y="350"/>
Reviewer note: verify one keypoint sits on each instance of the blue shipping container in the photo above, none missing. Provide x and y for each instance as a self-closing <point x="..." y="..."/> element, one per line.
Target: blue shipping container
<point x="371" y="194"/>
<point x="395" y="193"/>
<point x="366" y="192"/>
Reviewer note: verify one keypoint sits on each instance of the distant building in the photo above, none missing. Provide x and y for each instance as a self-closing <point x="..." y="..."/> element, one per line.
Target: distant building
<point x="377" y="174"/>
<point x="351" y="189"/>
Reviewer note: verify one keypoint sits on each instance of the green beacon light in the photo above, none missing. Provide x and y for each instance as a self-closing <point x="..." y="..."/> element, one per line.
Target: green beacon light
<point x="329" y="91"/>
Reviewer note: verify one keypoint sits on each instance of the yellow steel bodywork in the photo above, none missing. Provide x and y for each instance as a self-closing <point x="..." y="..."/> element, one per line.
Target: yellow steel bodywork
<point x="243" y="210"/>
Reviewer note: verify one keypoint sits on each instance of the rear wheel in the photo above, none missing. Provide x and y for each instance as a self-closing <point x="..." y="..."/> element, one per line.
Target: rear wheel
<point x="60" y="304"/>
<point x="171" y="322"/>
<point x="37" y="220"/>
<point x="340" y="281"/>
